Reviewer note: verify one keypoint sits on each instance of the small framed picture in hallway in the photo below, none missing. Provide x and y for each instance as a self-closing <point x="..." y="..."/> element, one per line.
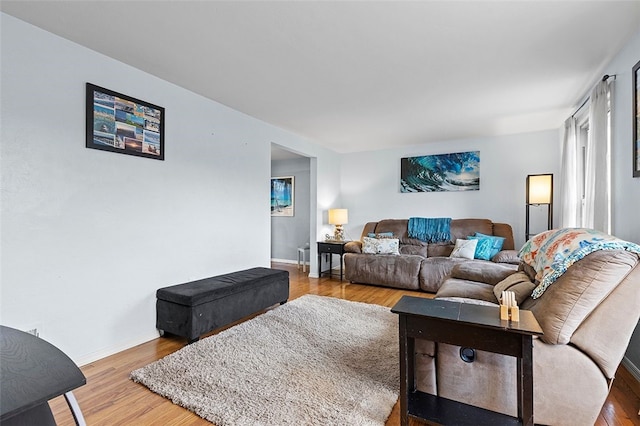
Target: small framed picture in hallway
<point x="636" y="120"/>
<point x="282" y="196"/>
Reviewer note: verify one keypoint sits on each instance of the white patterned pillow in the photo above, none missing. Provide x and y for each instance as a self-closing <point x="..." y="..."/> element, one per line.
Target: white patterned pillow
<point x="464" y="248"/>
<point x="380" y="246"/>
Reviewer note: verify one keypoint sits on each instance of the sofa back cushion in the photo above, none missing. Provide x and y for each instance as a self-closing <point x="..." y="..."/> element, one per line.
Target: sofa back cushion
<point x="460" y="228"/>
<point x="440" y="250"/>
<point x="605" y="334"/>
<point x="417" y="250"/>
<point x="504" y="230"/>
<point x="565" y="305"/>
<point x="399" y="229"/>
<point x="369" y="227"/>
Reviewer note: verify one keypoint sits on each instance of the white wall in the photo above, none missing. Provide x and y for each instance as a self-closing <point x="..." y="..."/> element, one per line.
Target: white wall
<point x="371" y="181"/>
<point x="625" y="188"/>
<point x="88" y="236"/>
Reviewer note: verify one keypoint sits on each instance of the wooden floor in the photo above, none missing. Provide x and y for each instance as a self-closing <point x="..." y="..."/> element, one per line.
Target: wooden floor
<point x="109" y="398"/>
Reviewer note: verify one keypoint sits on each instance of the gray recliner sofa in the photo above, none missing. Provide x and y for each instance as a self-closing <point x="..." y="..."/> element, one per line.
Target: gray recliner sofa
<point x="421" y="265"/>
<point x="588" y="316"/>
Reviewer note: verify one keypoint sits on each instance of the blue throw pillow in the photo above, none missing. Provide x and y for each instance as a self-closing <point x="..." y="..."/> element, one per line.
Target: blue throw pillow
<point x="496" y="242"/>
<point x="483" y="249"/>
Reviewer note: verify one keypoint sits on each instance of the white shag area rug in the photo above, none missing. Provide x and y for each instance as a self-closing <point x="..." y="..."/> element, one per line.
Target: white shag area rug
<point x="312" y="361"/>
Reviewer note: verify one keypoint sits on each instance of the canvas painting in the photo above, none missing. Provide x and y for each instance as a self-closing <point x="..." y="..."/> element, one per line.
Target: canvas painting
<point x="282" y="193"/>
<point x="458" y="171"/>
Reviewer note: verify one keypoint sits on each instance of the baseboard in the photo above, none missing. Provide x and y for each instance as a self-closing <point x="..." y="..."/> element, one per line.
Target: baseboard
<point x="105" y="352"/>
<point x="631" y="375"/>
<point x="292" y="262"/>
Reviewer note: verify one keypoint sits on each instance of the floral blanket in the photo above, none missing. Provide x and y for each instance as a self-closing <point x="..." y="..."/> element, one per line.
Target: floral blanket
<point x="551" y="253"/>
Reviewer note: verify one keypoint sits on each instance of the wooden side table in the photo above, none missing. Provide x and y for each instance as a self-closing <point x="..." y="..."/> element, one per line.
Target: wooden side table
<point x="330" y="248"/>
<point x="467" y="325"/>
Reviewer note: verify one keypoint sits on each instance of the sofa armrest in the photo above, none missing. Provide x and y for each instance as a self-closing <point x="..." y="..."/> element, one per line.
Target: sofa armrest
<point x="483" y="271"/>
<point x="507" y="256"/>
<point x="353" y="247"/>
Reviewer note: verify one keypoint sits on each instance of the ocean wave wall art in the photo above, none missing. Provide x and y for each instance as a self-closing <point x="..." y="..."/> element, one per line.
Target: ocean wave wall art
<point x="459" y="171"/>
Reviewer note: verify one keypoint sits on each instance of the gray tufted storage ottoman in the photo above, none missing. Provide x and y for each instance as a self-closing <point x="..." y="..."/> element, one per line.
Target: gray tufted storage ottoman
<point x="198" y="307"/>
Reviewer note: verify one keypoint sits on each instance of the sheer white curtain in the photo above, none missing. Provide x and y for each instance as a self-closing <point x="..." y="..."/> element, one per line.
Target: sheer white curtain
<point x="570" y="196"/>
<point x="596" y="213"/>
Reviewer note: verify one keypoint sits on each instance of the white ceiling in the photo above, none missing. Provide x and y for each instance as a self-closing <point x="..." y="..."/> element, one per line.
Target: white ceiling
<point x="362" y="75"/>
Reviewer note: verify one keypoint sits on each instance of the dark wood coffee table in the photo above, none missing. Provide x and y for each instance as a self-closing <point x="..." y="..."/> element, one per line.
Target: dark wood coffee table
<point x="466" y="325"/>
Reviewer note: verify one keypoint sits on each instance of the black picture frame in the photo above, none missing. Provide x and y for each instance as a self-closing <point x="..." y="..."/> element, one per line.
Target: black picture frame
<point x="636" y="119"/>
<point x="123" y="124"/>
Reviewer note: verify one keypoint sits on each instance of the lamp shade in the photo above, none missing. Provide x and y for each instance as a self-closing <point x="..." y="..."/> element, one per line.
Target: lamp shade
<point x="338" y="216"/>
<point x="539" y="189"/>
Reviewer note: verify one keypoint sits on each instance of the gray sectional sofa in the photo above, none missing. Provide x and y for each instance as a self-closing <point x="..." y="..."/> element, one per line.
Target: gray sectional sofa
<point x="421" y="265"/>
<point x="587" y="316"/>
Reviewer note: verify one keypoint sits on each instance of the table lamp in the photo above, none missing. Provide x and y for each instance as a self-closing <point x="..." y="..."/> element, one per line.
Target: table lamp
<point x="338" y="217"/>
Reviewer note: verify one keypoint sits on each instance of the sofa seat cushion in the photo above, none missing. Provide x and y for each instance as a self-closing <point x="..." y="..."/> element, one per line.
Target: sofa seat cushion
<point x="434" y="270"/>
<point x="483" y="271"/>
<point x="454" y="287"/>
<point x="383" y="269"/>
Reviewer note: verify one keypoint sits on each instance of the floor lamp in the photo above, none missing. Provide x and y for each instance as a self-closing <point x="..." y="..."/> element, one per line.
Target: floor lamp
<point x="539" y="193"/>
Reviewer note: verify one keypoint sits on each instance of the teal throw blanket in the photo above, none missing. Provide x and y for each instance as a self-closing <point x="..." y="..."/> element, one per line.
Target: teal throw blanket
<point x="430" y="229"/>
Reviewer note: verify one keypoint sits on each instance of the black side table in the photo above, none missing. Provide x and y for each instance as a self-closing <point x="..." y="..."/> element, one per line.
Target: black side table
<point x="330" y="248"/>
<point x="469" y="325"/>
<point x="34" y="371"/>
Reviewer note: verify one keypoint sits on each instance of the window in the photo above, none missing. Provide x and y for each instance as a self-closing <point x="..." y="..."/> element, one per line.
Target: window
<point x="583" y="138"/>
<point x="586" y="164"/>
